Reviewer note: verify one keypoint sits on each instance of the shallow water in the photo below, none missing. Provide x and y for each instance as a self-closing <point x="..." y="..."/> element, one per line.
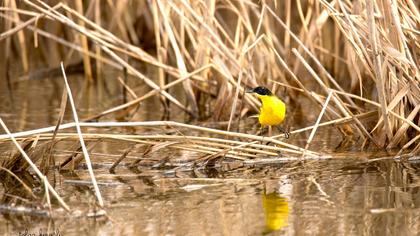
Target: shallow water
<point x="351" y="194"/>
<point x="331" y="197"/>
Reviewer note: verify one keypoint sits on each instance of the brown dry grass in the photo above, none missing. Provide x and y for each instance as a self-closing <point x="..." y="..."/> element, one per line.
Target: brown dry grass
<point x="355" y="60"/>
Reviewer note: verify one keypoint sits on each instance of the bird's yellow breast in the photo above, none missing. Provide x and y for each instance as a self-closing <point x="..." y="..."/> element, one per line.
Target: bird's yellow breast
<point x="273" y="110"/>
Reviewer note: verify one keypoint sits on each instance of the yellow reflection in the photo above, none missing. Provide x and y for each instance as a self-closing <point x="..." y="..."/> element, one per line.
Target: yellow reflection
<point x="276" y="210"/>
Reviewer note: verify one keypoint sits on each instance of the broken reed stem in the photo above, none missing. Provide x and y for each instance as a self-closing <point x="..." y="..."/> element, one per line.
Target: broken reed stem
<point x="34" y="167"/>
<point x="82" y="142"/>
<point x="324" y="107"/>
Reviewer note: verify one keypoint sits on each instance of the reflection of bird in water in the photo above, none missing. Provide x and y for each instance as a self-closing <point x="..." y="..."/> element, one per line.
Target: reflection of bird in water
<point x="276" y="210"/>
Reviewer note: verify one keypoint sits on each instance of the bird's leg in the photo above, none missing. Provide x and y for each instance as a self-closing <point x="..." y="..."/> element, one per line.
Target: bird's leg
<point x="286" y="135"/>
<point x="261" y="132"/>
<point x="285" y="132"/>
<point x="270" y="131"/>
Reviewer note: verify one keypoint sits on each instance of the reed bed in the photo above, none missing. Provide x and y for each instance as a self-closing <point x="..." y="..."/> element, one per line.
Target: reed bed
<point x="351" y="65"/>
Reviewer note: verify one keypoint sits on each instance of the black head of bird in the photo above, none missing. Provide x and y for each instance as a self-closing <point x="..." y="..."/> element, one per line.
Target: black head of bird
<point x="261" y="90"/>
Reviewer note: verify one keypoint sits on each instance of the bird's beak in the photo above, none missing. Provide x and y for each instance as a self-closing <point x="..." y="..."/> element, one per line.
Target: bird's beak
<point x="249" y="90"/>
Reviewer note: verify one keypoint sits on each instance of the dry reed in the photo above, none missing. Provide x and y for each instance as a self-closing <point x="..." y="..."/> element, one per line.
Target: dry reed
<point x="356" y="61"/>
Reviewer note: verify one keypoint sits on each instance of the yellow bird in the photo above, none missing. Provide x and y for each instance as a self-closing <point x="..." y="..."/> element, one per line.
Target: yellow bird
<point x="273" y="110"/>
